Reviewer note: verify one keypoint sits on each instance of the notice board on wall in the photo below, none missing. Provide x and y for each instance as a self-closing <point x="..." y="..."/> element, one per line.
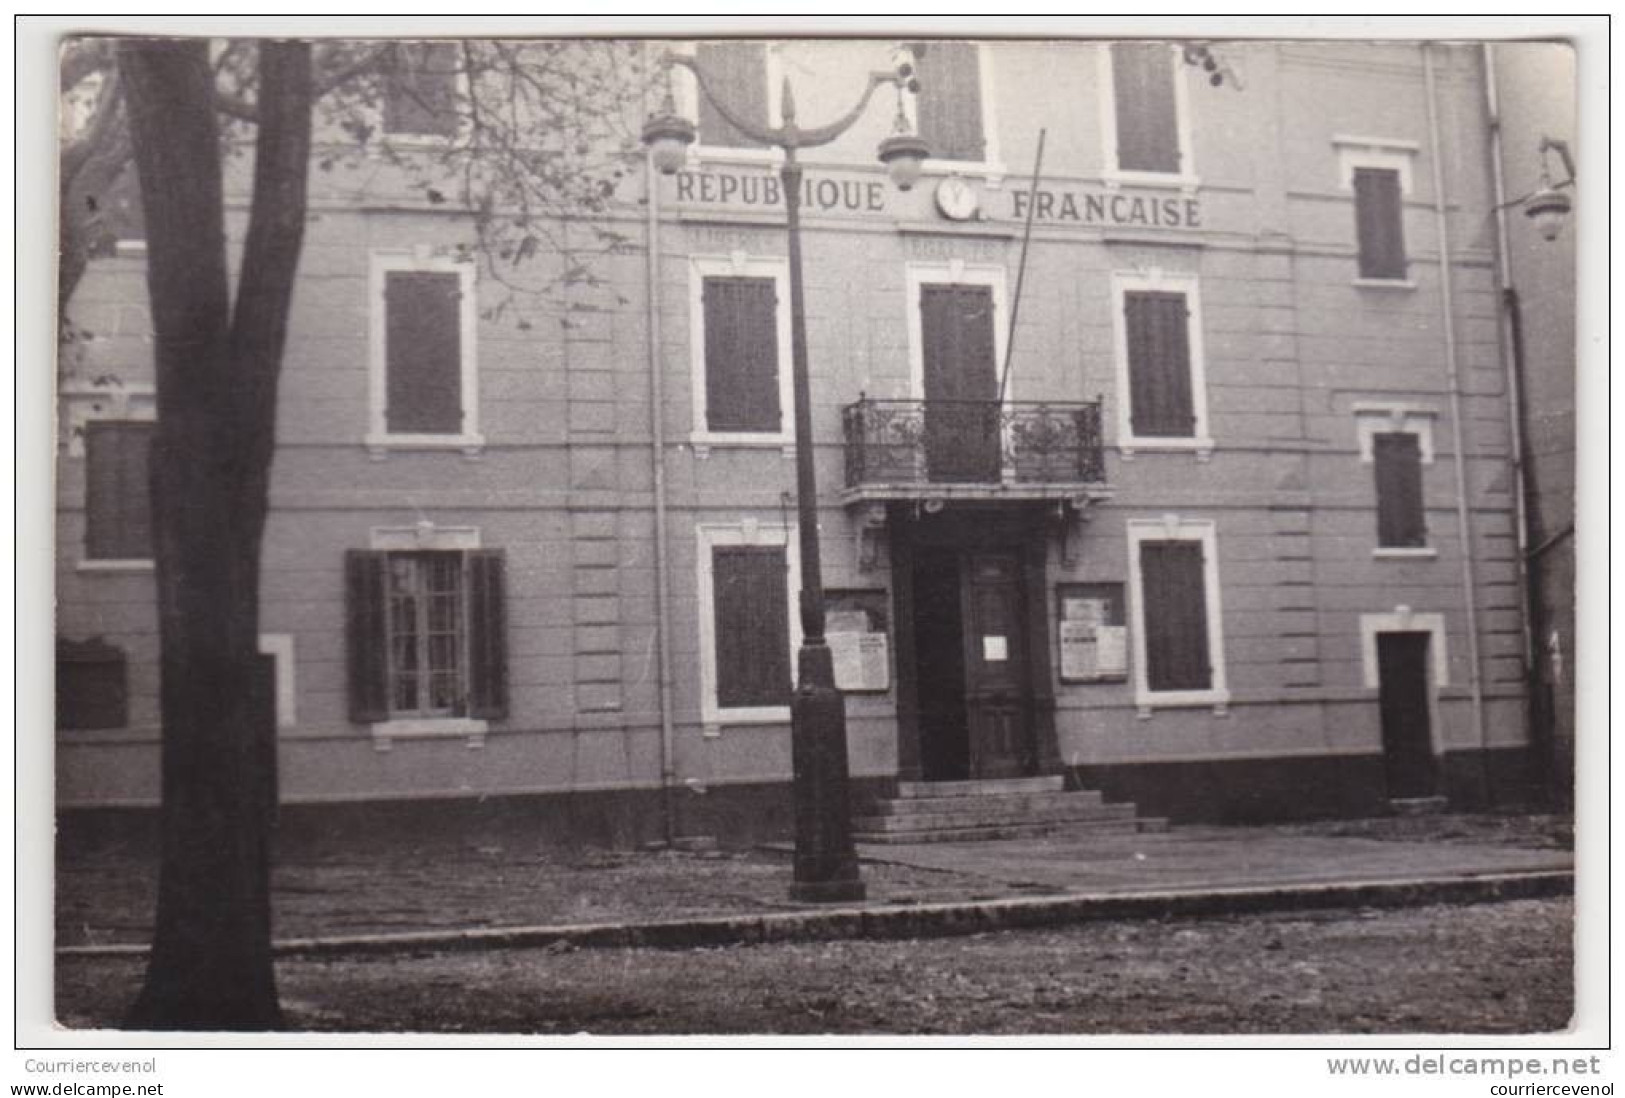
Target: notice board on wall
<point x="857" y="626"/>
<point x="1093" y="640"/>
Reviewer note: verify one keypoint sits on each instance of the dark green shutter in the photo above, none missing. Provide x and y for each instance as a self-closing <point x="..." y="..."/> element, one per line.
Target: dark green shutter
<point x="1161" y="404"/>
<point x="1379" y="222"/>
<point x="1401" y="520"/>
<point x="736" y="72"/>
<point x="487" y="636"/>
<point x="751" y="600"/>
<point x="950" y="100"/>
<point x="1147" y="109"/>
<point x="741" y="354"/>
<point x="1176" y="649"/>
<point x="118" y="490"/>
<point x="366" y="644"/>
<point x="423" y="342"/>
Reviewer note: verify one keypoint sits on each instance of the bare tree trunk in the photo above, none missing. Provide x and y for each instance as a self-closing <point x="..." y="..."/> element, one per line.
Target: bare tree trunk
<point x="217" y="368"/>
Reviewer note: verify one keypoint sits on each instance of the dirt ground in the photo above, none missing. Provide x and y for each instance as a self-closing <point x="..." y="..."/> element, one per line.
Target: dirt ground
<point x="105" y="893"/>
<point x="1486" y="968"/>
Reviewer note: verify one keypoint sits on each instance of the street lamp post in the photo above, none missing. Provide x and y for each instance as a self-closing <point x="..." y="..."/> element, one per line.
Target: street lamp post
<point x="826" y="864"/>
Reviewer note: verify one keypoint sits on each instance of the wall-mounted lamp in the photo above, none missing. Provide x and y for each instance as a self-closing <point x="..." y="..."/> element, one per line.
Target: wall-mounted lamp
<point x="1549" y="206"/>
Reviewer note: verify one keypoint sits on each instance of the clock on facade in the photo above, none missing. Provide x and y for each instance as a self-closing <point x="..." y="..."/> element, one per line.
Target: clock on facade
<point x="956" y="199"/>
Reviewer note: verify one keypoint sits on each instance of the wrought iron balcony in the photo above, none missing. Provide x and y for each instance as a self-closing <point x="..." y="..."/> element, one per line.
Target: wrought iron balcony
<point x="913" y="448"/>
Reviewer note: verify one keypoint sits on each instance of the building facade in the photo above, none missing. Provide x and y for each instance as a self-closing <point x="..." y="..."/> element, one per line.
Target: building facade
<point x="1223" y="524"/>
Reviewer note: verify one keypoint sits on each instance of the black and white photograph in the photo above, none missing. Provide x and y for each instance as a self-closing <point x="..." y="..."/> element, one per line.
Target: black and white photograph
<point x="820" y="533"/>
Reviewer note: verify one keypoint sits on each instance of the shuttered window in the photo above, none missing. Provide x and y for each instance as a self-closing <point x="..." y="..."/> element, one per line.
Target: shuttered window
<point x="741" y="355"/>
<point x="1379" y="222"/>
<point x="420" y="90"/>
<point x="423" y="352"/>
<point x="750" y="598"/>
<point x="426" y="635"/>
<point x="118" y="507"/>
<point x="1157" y="329"/>
<point x="1146" y="107"/>
<point x="1175" y="616"/>
<point x="949" y="104"/>
<point x="1401" y="521"/>
<point x="736" y="73"/>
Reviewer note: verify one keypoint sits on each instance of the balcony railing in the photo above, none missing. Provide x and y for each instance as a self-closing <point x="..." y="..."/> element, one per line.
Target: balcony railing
<point x="971" y="442"/>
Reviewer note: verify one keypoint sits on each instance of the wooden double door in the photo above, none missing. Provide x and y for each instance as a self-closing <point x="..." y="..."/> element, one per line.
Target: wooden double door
<point x="975" y="699"/>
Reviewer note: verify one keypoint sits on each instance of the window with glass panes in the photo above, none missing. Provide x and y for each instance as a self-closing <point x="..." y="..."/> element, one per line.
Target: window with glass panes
<point x="426" y="634"/>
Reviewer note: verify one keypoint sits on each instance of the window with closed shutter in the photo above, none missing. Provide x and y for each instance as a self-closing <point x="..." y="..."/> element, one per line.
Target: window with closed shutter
<point x="91" y="685"/>
<point x="423" y="352"/>
<point x="750" y="598"/>
<point x="426" y="635"/>
<point x="949" y="104"/>
<point x="1379" y="222"/>
<point x="1401" y="519"/>
<point x="1175" y="616"/>
<point x="736" y="73"/>
<point x="420" y="88"/>
<point x="1157" y="333"/>
<point x="1146" y="107"/>
<point x="741" y="355"/>
<point x="118" y="507"/>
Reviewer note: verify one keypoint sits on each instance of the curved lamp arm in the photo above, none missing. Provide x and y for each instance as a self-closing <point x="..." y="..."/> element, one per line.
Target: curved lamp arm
<point x="1561" y="148"/>
<point x="789" y="135"/>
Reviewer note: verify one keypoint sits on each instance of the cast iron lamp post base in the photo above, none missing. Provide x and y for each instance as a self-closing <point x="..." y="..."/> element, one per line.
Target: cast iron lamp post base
<point x="826" y="864"/>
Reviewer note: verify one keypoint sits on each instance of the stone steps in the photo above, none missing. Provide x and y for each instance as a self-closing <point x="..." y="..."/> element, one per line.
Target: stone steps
<point x="1006" y="802"/>
<point x="990" y="832"/>
<point x="991" y="810"/>
<point x="985" y="787"/>
<point x="1001" y="808"/>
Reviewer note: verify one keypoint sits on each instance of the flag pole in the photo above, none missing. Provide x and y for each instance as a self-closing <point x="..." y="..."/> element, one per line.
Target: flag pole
<point x="1021" y="270"/>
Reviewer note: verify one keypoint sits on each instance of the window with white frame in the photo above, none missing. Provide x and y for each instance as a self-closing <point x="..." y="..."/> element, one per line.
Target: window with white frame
<point x="1162" y="385"/>
<point x="426" y="628"/>
<point x="1178" y="634"/>
<point x="1377" y="172"/>
<point x="1146" y="113"/>
<point x="740" y="327"/>
<point x="423" y="376"/>
<point x="1396" y="440"/>
<point x="954" y="108"/>
<point x="748" y="632"/>
<point x="420" y="89"/>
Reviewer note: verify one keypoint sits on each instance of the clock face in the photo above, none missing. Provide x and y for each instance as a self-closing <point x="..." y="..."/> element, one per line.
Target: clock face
<point x="956" y="198"/>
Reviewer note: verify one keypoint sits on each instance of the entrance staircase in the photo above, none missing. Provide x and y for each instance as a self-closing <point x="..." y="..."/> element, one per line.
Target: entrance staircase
<point x="1003" y="808"/>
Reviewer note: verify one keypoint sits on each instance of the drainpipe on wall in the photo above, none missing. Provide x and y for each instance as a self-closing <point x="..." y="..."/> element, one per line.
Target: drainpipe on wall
<point x="1512" y="354"/>
<point x="657" y="459"/>
<point x="1469" y="581"/>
